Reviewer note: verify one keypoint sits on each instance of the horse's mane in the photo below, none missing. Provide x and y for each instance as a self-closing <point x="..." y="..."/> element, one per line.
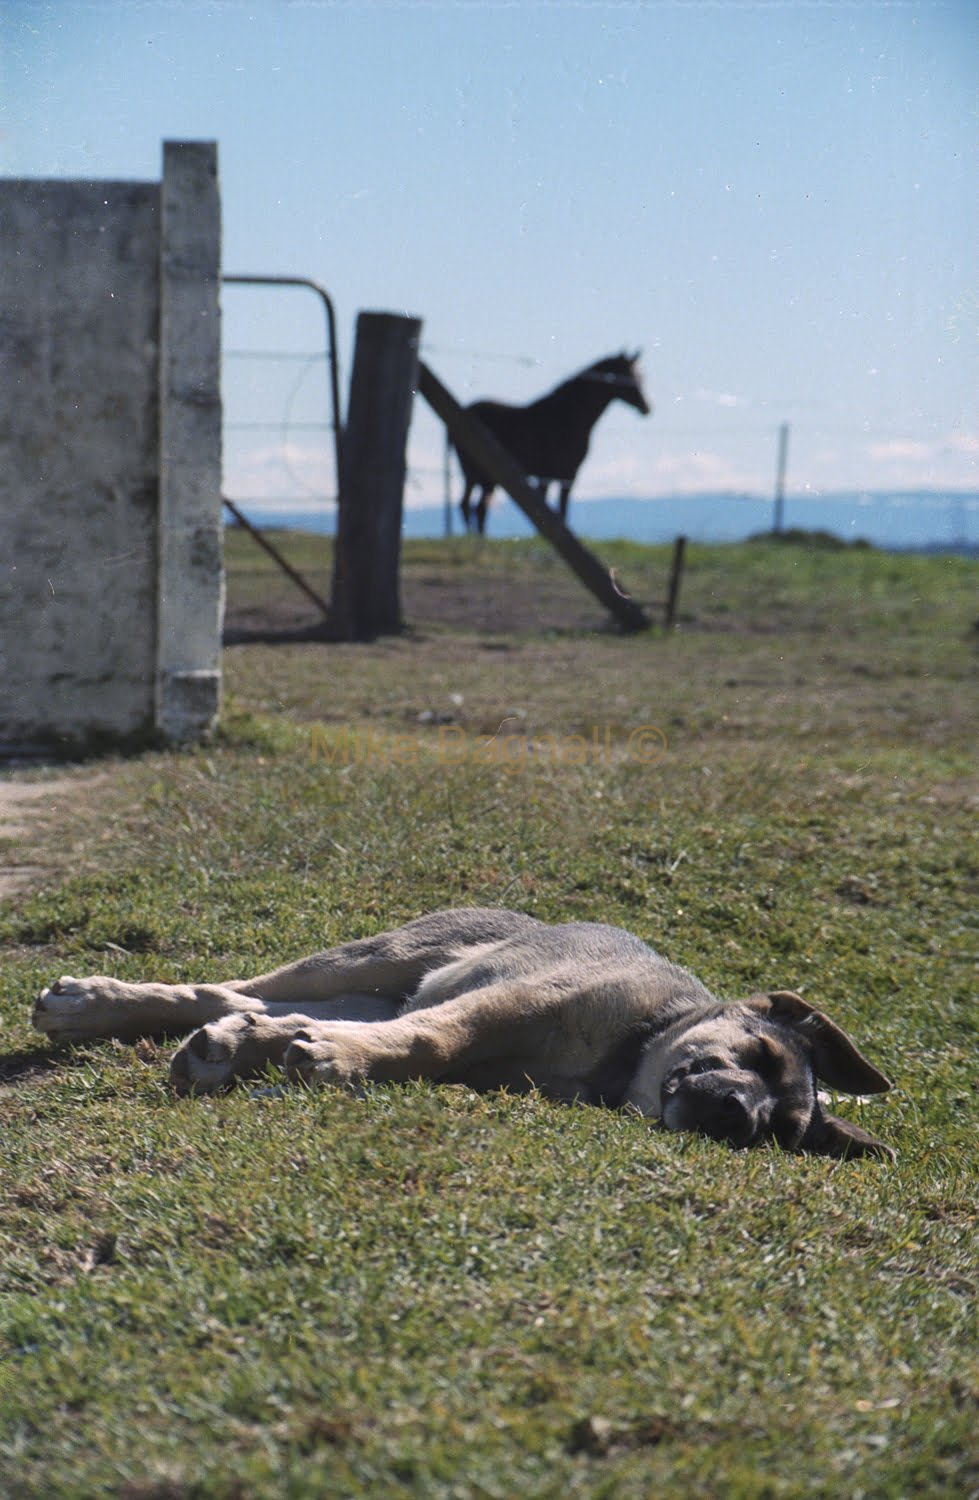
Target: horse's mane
<point x="613" y="368"/>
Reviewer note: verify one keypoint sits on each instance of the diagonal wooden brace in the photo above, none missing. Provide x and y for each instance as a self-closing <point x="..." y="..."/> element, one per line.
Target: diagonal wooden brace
<point x="469" y="433"/>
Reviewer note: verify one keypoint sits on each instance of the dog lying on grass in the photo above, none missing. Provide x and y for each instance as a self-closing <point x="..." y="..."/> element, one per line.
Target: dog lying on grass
<point x="497" y="1000"/>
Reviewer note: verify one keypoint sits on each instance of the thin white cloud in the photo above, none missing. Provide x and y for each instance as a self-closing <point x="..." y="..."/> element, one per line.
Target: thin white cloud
<point x="721" y="398"/>
<point x="929" y="460"/>
<point x="902" y="450"/>
<point x="280" y="471"/>
<point x="688" y="472"/>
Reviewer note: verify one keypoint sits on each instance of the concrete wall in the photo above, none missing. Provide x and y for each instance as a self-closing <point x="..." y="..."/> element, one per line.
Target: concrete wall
<point x="110" y="456"/>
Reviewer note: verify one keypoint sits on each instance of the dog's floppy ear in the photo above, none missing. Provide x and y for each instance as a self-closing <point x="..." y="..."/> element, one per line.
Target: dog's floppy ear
<point x="829" y="1136"/>
<point x="835" y="1058"/>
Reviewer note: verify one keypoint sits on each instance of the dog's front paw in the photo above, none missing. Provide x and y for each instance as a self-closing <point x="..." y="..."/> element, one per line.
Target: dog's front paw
<point x="315" y="1060"/>
<point x="78" y="1008"/>
<point x="212" y="1056"/>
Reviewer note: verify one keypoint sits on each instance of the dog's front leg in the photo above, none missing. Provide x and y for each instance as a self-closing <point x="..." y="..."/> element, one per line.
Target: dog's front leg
<point x="235" y="1046"/>
<point x="344" y="1052"/>
<point x="444" y="1041"/>
<point x="75" y="1010"/>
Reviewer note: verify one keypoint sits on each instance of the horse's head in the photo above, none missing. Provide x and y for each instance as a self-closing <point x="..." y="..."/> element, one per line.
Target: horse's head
<point x="622" y="370"/>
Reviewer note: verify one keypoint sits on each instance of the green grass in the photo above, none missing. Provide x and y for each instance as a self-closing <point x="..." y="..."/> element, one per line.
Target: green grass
<point x="424" y="1292"/>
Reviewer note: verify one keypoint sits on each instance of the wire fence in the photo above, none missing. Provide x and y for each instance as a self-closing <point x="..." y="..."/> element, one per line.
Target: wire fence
<point x="280" y="452"/>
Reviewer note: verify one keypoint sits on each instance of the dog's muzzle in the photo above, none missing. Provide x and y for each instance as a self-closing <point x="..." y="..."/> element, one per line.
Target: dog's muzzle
<point x="714" y="1105"/>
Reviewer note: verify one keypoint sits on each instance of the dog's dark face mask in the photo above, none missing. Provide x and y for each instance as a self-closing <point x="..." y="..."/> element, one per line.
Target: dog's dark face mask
<point x="757" y="1090"/>
<point x="749" y="1074"/>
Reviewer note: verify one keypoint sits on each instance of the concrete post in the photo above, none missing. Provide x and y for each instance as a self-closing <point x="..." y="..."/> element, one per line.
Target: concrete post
<point x="366" y="588"/>
<point x="190" y="600"/>
<point x="79" y="320"/>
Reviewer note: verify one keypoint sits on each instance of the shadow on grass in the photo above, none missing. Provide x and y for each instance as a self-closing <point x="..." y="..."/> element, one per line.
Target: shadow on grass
<point x="16" y="1067"/>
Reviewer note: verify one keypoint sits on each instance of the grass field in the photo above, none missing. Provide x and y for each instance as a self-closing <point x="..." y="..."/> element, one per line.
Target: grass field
<point x="426" y="1292"/>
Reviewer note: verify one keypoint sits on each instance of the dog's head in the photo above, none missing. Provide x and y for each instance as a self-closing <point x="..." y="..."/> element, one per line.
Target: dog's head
<point x="749" y="1072"/>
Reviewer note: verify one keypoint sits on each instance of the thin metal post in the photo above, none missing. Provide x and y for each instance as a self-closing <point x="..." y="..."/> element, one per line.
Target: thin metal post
<point x="783" y="455"/>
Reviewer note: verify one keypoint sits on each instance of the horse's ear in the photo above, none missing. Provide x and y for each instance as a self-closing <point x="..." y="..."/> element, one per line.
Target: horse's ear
<point x="634" y="358"/>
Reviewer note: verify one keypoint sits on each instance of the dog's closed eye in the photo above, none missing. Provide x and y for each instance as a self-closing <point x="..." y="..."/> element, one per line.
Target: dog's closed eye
<point x="707" y="1065"/>
<point x="767" y="1059"/>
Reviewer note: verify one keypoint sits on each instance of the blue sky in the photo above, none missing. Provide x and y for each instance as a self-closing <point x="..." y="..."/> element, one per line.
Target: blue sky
<point x="776" y="201"/>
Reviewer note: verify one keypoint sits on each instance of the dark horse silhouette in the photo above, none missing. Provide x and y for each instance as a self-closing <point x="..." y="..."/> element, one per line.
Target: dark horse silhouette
<point x="549" y="438"/>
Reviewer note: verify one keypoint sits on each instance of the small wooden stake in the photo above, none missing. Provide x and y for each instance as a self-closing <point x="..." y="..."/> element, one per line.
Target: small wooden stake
<point x="676" y="573"/>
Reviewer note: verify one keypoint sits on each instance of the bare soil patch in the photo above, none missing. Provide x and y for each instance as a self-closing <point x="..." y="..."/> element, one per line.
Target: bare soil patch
<point x="488" y="604"/>
<point x="23" y="805"/>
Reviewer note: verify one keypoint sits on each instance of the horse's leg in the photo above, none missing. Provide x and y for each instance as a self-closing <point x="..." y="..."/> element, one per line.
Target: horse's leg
<point x="563" y="499"/>
<point x="464" y="505"/>
<point x="482" y="507"/>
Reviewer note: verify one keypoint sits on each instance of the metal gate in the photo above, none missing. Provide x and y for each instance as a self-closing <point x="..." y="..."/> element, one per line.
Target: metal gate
<point x="285" y="425"/>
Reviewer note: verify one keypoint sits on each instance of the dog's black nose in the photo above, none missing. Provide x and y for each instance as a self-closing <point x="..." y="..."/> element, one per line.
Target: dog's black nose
<point x="730" y="1119"/>
<point x="734" y="1112"/>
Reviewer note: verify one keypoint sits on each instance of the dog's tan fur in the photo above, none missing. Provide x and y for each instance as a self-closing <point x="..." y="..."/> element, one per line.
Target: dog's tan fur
<point x="495" y="999"/>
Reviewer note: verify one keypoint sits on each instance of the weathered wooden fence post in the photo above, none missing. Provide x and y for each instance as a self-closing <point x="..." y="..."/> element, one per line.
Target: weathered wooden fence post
<point x="366" y="593"/>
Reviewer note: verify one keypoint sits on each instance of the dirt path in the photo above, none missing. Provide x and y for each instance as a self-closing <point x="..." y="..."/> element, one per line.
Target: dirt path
<point x="23" y="804"/>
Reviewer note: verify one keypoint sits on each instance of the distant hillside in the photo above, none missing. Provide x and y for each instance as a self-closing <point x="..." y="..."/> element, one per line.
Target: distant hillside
<point x="920" y="519"/>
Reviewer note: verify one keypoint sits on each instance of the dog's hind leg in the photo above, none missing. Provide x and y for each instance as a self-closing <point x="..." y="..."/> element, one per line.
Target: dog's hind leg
<point x="78" y="1009"/>
<point x="389" y="966"/>
<point x="364" y="981"/>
